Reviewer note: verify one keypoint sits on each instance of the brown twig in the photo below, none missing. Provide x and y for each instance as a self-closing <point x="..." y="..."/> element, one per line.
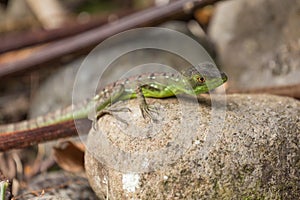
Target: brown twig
<point x="81" y="43"/>
<point x="23" y="39"/>
<point x="21" y="139"/>
<point x="289" y="90"/>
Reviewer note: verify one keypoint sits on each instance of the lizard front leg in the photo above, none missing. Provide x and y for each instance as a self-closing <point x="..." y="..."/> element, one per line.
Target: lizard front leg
<point x="146" y="110"/>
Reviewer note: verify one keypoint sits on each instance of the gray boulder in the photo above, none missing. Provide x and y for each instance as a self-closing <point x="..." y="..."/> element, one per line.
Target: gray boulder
<point x="250" y="150"/>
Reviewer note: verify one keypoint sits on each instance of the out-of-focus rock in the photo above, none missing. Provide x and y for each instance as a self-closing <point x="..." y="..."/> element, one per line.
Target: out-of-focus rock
<point x="258" y="41"/>
<point x="58" y="185"/>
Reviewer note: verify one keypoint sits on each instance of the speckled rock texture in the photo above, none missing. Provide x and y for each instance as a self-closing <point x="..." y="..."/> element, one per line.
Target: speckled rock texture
<point x="256" y="154"/>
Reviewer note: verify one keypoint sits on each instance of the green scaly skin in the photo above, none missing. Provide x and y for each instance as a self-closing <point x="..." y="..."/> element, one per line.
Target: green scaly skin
<point x="192" y="81"/>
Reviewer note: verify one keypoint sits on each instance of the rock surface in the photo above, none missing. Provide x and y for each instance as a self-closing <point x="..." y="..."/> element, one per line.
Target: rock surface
<point x="256" y="155"/>
<point x="258" y="48"/>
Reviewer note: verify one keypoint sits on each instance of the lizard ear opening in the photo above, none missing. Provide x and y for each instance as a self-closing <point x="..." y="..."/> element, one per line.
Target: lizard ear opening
<point x="200" y="79"/>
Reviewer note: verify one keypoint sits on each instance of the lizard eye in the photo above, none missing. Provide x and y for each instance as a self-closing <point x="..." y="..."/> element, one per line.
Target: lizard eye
<point x="200" y="79"/>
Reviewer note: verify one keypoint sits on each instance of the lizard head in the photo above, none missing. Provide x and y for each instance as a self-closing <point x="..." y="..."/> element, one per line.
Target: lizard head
<point x="204" y="77"/>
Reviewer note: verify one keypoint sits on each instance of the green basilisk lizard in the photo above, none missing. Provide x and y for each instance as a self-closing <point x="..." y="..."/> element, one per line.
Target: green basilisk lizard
<point x="192" y="81"/>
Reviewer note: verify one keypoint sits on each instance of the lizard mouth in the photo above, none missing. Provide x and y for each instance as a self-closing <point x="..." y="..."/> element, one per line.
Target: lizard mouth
<point x="224" y="77"/>
<point x="216" y="81"/>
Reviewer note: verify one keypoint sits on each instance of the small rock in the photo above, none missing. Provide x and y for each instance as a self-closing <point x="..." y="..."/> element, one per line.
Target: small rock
<point x="58" y="185"/>
<point x="252" y="152"/>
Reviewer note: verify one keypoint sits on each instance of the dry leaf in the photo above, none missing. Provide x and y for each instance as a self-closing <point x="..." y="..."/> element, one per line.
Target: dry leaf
<point x="8" y="165"/>
<point x="204" y="15"/>
<point x="70" y="156"/>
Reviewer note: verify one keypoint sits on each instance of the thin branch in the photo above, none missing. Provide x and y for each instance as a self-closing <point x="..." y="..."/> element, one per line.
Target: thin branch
<point x="14" y="41"/>
<point x="289" y="90"/>
<point x="22" y="139"/>
<point x="84" y="42"/>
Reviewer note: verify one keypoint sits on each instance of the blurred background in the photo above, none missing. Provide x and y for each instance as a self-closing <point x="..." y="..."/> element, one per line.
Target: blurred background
<point x="43" y="43"/>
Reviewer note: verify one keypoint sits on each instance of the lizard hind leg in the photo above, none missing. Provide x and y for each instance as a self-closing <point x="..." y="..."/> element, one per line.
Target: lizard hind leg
<point x="111" y="111"/>
<point x="103" y="100"/>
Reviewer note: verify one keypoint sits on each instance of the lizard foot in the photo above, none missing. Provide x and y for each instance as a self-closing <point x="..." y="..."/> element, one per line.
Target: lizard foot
<point x="111" y="111"/>
<point x="148" y="111"/>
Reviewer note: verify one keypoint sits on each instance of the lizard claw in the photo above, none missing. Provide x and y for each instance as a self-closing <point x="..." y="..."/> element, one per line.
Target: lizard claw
<point x="147" y="112"/>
